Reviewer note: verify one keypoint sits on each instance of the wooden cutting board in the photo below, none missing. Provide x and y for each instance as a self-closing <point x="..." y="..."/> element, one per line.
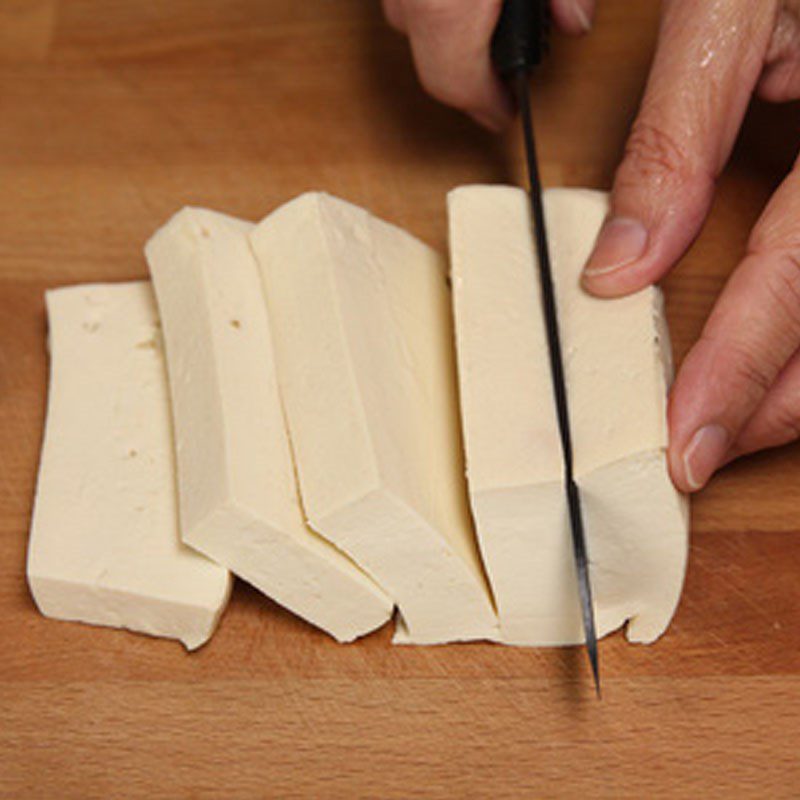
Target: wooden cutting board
<point x="115" y="114"/>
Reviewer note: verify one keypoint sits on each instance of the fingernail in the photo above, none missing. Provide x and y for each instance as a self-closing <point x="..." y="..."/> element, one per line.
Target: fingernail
<point x="622" y="241"/>
<point x="704" y="454"/>
<point x="582" y="17"/>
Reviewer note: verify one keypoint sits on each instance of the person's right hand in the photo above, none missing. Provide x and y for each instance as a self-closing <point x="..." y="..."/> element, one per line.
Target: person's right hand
<point x="450" y="44"/>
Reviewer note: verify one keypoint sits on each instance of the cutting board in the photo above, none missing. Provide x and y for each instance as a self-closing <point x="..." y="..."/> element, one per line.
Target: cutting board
<point x="115" y="114"/>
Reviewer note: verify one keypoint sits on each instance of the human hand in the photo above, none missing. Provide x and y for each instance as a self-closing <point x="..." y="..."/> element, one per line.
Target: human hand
<point x="450" y="44"/>
<point x="738" y="389"/>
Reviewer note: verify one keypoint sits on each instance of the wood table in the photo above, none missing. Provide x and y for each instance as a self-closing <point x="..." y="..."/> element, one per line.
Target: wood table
<point x="113" y="115"/>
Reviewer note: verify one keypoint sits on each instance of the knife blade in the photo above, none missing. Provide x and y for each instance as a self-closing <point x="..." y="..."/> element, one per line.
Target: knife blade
<point x="518" y="45"/>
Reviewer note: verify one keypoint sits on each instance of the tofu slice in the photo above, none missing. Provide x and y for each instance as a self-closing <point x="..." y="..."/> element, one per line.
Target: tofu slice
<point x="362" y="329"/>
<point x="617" y="367"/>
<point x="238" y="495"/>
<point x="104" y="545"/>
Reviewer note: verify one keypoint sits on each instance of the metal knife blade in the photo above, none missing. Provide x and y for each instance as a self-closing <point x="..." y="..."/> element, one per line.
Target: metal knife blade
<point x="518" y="45"/>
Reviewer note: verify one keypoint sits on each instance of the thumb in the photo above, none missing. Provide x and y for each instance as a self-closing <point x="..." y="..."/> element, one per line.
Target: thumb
<point x="708" y="60"/>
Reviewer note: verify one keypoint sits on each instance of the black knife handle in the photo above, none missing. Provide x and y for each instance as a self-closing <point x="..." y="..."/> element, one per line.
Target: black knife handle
<point x="520" y="38"/>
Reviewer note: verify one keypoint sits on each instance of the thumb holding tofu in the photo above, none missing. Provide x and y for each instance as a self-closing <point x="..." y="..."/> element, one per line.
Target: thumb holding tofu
<point x="707" y="64"/>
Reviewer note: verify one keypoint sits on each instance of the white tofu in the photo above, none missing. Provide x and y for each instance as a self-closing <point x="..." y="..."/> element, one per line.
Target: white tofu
<point x="104" y="545"/>
<point x="363" y="340"/>
<point x="617" y="365"/>
<point x="238" y="495"/>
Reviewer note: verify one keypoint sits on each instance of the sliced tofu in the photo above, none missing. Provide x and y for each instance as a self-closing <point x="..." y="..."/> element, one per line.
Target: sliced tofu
<point x="238" y="495"/>
<point x="363" y="339"/>
<point x="617" y="369"/>
<point x="104" y="545"/>
<point x="620" y="367"/>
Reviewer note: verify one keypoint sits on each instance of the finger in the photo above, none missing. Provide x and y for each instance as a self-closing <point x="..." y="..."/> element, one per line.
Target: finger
<point x="781" y="79"/>
<point x="573" y="16"/>
<point x="777" y="420"/>
<point x="750" y="336"/>
<point x="450" y="44"/>
<point x="707" y="62"/>
<point x="394" y="12"/>
<point x="781" y="82"/>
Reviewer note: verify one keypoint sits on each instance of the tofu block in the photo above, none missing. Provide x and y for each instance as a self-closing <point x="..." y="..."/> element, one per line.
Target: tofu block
<point x="104" y="545"/>
<point x="238" y="494"/>
<point x="617" y="368"/>
<point x="362" y="329"/>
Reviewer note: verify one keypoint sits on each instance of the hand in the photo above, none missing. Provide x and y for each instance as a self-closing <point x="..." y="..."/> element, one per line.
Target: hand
<point x="450" y="44"/>
<point x="738" y="389"/>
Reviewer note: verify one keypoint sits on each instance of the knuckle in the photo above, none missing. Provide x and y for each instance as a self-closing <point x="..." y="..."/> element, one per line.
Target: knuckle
<point x="786" y="420"/>
<point x="775" y="232"/>
<point x="440" y="86"/>
<point x="783" y="284"/>
<point x="751" y="371"/>
<point x="741" y="367"/>
<point x="751" y="354"/>
<point x="444" y="84"/>
<point x="652" y="152"/>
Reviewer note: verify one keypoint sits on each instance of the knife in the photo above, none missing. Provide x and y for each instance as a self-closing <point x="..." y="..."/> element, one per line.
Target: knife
<point x="518" y="45"/>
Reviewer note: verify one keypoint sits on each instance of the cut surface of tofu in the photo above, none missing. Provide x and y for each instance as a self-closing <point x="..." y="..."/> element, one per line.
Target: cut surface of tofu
<point x="104" y="545"/>
<point x="238" y="494"/>
<point x="362" y="329"/>
<point x="616" y="356"/>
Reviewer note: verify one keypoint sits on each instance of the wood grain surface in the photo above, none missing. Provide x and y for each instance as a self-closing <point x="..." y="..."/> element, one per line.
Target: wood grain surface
<point x="114" y="114"/>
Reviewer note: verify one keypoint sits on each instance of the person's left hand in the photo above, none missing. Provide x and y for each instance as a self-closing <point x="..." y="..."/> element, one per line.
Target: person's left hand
<point x="738" y="390"/>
